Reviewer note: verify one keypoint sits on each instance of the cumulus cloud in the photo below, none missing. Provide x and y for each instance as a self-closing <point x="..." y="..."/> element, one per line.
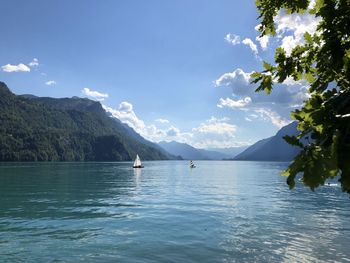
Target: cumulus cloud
<point x="272" y="116"/>
<point x="248" y="42"/>
<point x="238" y="80"/>
<point x="275" y="108"/>
<point x="126" y="114"/>
<point x="263" y="41"/>
<point x="289" y="93"/>
<point x="21" y="67"/>
<point x="94" y="94"/>
<point x="292" y="27"/>
<point x="215" y="126"/>
<point x="15" y="68"/>
<point x="214" y="132"/>
<point x="50" y="82"/>
<point x="173" y="131"/>
<point x="233" y="39"/>
<point x="34" y="63"/>
<point x="230" y="103"/>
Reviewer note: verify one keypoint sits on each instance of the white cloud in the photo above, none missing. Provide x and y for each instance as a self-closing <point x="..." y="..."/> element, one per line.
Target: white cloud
<point x="288" y="43"/>
<point x="15" y="68"/>
<point x="34" y="63"/>
<point x="233" y="39"/>
<point x="214" y="132"/>
<point x="230" y="103"/>
<point x="312" y="4"/>
<point x="289" y="81"/>
<point x="94" y="94"/>
<point x="253" y="116"/>
<point x="236" y="40"/>
<point x="292" y="27"/>
<point x="215" y="126"/>
<point x="247" y="119"/>
<point x="289" y="93"/>
<point x="263" y="41"/>
<point x="272" y="116"/>
<point x="251" y="44"/>
<point x="275" y="107"/>
<point x="126" y="114"/>
<point x="172" y="132"/>
<point x="126" y="107"/>
<point x="162" y="120"/>
<point x="50" y="82"/>
<point x="257" y="27"/>
<point x="238" y="80"/>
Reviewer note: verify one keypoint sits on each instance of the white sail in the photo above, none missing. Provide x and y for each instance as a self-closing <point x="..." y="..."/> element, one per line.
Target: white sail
<point x="137" y="162"/>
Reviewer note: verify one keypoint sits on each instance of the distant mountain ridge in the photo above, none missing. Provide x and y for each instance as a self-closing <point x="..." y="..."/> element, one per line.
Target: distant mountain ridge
<point x="274" y="148"/>
<point x="66" y="129"/>
<point x="184" y="150"/>
<point x="229" y="151"/>
<point x="189" y="152"/>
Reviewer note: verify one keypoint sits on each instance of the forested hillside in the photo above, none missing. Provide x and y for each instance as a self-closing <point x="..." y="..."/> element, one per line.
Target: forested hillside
<point x="68" y="129"/>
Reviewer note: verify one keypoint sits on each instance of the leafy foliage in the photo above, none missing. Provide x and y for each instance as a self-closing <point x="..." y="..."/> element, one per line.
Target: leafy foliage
<point x="324" y="61"/>
<point x="47" y="129"/>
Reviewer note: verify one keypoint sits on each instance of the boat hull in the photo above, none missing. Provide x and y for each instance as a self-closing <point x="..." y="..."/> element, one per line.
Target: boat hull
<point x="138" y="166"/>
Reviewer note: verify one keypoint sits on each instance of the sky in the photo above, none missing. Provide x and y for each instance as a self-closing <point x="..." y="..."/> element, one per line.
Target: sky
<point x="172" y="70"/>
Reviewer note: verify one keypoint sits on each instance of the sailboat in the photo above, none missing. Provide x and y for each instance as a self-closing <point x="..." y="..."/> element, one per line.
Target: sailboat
<point x="137" y="163"/>
<point x="192" y="164"/>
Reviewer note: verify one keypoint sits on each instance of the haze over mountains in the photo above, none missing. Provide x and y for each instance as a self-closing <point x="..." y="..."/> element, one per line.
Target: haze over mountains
<point x="188" y="152"/>
<point x="274" y="148"/>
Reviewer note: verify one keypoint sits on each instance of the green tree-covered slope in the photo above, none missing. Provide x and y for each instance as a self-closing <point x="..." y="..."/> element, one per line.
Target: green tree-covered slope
<point x="68" y="129"/>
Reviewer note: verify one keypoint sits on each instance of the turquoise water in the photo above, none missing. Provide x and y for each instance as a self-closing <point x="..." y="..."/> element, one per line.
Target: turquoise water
<point x="218" y="212"/>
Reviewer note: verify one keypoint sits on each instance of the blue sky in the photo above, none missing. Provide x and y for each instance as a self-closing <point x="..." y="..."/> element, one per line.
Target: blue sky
<point x="173" y="70"/>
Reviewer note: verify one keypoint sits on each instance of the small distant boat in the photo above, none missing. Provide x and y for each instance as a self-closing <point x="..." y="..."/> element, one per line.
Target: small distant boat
<point x="331" y="184"/>
<point x="137" y="163"/>
<point x="192" y="164"/>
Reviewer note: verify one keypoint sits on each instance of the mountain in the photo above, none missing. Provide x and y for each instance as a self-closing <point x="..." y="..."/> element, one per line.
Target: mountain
<point x="274" y="148"/>
<point x="68" y="129"/>
<point x="184" y="150"/>
<point x="229" y="152"/>
<point x="213" y="155"/>
<point x="188" y="152"/>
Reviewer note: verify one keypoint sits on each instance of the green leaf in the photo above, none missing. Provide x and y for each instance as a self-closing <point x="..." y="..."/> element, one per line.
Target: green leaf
<point x="323" y="60"/>
<point x="309" y="77"/>
<point x="293" y="141"/>
<point x="255" y="75"/>
<point x="267" y="66"/>
<point x="308" y="38"/>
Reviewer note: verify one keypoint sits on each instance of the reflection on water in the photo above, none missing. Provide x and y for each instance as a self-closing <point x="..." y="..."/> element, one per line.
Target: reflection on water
<point x="167" y="212"/>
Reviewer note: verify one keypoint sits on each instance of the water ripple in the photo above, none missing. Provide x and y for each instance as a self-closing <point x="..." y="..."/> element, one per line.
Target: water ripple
<point x="218" y="212"/>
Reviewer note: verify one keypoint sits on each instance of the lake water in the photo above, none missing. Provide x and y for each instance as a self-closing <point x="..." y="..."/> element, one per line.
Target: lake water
<point x="218" y="212"/>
